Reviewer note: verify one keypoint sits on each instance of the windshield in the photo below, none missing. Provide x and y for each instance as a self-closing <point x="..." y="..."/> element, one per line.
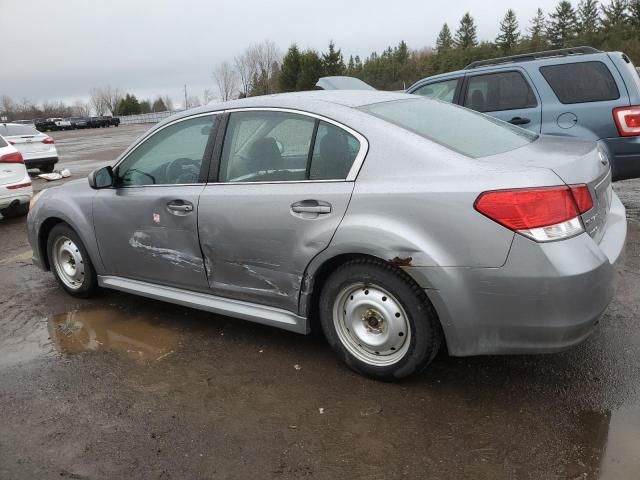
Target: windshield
<point x="462" y="130"/>
<point x="9" y="130"/>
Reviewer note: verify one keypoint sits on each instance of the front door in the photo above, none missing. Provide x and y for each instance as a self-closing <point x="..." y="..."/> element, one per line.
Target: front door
<point x="284" y="184"/>
<point x="147" y="225"/>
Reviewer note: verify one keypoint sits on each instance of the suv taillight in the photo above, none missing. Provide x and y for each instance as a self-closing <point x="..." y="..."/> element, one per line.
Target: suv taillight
<point x="14" y="157"/>
<point x="627" y="120"/>
<point x="542" y="214"/>
<point x="48" y="141"/>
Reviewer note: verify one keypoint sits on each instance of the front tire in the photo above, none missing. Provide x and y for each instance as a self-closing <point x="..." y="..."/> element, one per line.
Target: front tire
<point x="378" y="321"/>
<point x="70" y="262"/>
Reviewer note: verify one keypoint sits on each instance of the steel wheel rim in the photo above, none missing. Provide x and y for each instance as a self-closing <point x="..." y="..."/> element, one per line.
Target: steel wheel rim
<point x="371" y="324"/>
<point x="68" y="262"/>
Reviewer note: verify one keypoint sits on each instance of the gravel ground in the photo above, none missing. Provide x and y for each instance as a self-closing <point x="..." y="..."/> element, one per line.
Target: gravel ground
<point x="125" y="387"/>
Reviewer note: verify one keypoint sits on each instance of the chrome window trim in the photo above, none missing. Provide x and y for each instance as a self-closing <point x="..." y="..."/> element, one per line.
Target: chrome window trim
<point x="357" y="162"/>
<point x="135" y="146"/>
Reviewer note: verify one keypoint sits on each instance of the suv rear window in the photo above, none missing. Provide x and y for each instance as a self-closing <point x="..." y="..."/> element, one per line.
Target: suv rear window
<point x="581" y="82"/>
<point x="459" y="129"/>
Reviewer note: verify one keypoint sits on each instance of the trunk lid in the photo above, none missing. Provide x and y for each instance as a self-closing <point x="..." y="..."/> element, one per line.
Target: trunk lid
<point x="574" y="161"/>
<point x="27" y="144"/>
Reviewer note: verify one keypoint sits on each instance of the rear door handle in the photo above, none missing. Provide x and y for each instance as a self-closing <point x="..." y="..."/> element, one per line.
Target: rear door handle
<point x="180" y="206"/>
<point x="311" y="206"/>
<point x="519" y="121"/>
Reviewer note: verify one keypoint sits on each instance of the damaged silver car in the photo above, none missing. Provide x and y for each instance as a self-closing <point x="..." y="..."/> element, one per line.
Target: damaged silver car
<point x="398" y="224"/>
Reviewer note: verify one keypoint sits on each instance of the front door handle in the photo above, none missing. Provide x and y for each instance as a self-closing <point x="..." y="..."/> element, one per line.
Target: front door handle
<point x="519" y="121"/>
<point x="180" y="206"/>
<point x="311" y="206"/>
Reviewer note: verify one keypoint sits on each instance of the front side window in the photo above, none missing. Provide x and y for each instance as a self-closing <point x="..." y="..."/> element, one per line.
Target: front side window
<point x="581" y="82"/>
<point x="173" y="156"/>
<point x="273" y="146"/>
<point x="499" y="91"/>
<point x="454" y="127"/>
<point x="444" y="91"/>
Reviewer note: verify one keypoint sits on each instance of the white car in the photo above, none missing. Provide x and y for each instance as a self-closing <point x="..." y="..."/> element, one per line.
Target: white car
<point x="61" y="123"/>
<point x="37" y="149"/>
<point x="15" y="184"/>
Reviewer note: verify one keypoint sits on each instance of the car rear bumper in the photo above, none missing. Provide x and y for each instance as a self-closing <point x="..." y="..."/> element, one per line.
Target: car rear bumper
<point x="9" y="197"/>
<point x="32" y="162"/>
<point x="625" y="157"/>
<point x="546" y="297"/>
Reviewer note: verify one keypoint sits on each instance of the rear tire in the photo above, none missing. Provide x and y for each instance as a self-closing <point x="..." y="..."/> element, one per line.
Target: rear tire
<point x="378" y="320"/>
<point x="46" y="168"/>
<point x="14" y="212"/>
<point x="70" y="262"/>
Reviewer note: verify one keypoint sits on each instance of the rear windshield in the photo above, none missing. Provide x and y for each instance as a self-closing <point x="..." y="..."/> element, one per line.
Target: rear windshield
<point x="16" y="129"/>
<point x="581" y="82"/>
<point x="459" y="129"/>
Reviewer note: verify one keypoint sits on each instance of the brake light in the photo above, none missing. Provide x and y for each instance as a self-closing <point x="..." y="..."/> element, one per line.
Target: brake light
<point x="48" y="141"/>
<point x="20" y="185"/>
<point x="627" y="120"/>
<point x="542" y="214"/>
<point x="13" y="157"/>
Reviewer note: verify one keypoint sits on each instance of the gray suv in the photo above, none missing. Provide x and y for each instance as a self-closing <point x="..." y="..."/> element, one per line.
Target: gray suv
<point x="575" y="92"/>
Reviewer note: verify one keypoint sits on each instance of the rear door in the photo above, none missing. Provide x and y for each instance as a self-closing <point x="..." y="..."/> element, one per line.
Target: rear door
<point x="507" y="95"/>
<point x="283" y="185"/>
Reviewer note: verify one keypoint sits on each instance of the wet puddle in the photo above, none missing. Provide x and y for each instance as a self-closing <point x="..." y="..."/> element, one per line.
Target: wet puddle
<point x="609" y="446"/>
<point x="111" y="330"/>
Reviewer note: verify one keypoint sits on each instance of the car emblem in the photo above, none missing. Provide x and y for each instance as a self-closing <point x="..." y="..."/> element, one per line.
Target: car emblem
<point x="603" y="158"/>
<point x="156" y="218"/>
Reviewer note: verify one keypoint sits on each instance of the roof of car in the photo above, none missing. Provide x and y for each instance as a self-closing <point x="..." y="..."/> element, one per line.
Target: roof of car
<point x="302" y="100"/>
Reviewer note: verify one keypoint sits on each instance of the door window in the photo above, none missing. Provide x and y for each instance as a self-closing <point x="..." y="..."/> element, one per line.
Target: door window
<point x="271" y="146"/>
<point x="333" y="153"/>
<point x="581" y="82"/>
<point x="499" y="91"/>
<point x="173" y="156"/>
<point x="444" y="91"/>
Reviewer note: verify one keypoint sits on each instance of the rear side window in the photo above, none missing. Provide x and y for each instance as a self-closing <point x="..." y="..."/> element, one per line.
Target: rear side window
<point x="499" y="91"/>
<point x="581" y="82"/>
<point x="454" y="127"/>
<point x="333" y="153"/>
<point x="444" y="91"/>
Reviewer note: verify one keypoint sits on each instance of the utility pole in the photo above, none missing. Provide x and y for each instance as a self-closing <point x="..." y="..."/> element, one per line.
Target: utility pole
<point x="186" y="106"/>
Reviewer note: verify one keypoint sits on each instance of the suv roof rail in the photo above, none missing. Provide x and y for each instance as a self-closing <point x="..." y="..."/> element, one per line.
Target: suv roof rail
<point x="526" y="57"/>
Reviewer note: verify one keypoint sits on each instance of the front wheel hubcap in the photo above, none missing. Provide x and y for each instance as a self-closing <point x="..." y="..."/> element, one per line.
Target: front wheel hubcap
<point x="68" y="262"/>
<point x="371" y="324"/>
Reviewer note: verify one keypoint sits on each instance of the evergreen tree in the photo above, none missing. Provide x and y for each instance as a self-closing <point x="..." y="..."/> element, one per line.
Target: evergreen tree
<point x="467" y="35"/>
<point x="562" y="25"/>
<point x="129" y="105"/>
<point x="159" y="105"/>
<point x="509" y="32"/>
<point x="615" y="14"/>
<point x="445" y="40"/>
<point x="538" y="25"/>
<point x="332" y="61"/>
<point x="145" y="106"/>
<point x="401" y="52"/>
<point x="311" y="69"/>
<point x="288" y="78"/>
<point x="351" y="67"/>
<point x="588" y="17"/>
<point x="634" y="9"/>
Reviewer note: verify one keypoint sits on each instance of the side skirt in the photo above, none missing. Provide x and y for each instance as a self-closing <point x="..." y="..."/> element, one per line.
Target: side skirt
<point x="252" y="312"/>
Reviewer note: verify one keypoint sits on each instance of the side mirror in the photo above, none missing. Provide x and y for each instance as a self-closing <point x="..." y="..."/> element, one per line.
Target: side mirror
<point x="101" y="178"/>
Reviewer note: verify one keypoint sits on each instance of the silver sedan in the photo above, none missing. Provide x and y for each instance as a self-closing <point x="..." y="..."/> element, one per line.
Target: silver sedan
<point x="397" y="224"/>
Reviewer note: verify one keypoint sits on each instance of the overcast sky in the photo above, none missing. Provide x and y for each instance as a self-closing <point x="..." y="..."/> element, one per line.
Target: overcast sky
<point x="59" y="50"/>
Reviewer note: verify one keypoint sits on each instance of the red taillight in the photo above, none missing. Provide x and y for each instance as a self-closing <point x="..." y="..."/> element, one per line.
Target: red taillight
<point x="582" y="196"/>
<point x="627" y="120"/>
<point x="20" y="185"/>
<point x="14" y="157"/>
<point x="544" y="214"/>
<point x="48" y="141"/>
